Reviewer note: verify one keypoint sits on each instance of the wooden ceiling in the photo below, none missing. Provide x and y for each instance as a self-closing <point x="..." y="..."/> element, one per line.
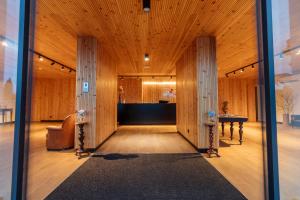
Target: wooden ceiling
<point x="127" y="32"/>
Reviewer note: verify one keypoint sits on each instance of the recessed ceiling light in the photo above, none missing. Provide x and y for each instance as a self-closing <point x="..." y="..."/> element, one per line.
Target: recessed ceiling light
<point x="146" y="5"/>
<point x="41" y="58"/>
<point x="146" y="57"/>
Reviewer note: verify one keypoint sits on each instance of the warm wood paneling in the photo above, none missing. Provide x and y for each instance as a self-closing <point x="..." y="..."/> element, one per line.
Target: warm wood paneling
<point x="240" y="94"/>
<point x="52" y="99"/>
<point x="152" y="93"/>
<point x="132" y="90"/>
<point x="207" y="88"/>
<point x="137" y="92"/>
<point x="127" y="32"/>
<point x="197" y="90"/>
<point x="186" y="106"/>
<point x="106" y="95"/>
<point x="97" y="68"/>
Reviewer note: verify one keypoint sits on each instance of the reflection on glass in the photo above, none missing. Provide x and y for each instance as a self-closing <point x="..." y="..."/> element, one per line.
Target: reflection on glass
<point x="9" y="26"/>
<point x="286" y="33"/>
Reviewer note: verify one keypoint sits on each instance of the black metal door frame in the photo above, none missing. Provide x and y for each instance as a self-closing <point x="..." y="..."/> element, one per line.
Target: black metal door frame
<point x="23" y="92"/>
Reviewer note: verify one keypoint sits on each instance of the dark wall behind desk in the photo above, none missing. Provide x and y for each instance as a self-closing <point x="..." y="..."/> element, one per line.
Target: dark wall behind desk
<point x="147" y="114"/>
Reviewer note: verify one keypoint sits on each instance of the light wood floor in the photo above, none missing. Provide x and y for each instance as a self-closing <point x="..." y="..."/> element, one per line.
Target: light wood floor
<point x="147" y="139"/>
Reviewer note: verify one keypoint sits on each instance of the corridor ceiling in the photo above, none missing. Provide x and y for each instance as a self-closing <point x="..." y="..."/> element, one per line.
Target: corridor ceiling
<point x="127" y="32"/>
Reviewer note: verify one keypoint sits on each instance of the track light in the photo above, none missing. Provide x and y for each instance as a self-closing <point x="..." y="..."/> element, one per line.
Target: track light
<point x="234" y="72"/>
<point x="52" y="63"/>
<point x="41" y="58"/>
<point x="146" y="5"/>
<point x="146" y="57"/>
<point x="253" y="66"/>
<point x="227" y="75"/>
<point x="70" y="70"/>
<point x="4" y="43"/>
<point x="62" y="68"/>
<point x="242" y="70"/>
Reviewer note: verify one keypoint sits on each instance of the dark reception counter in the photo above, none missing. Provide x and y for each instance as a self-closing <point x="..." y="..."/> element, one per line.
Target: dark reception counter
<point x="146" y="113"/>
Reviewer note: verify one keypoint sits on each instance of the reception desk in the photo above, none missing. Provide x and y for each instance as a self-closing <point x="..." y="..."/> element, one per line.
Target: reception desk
<point x="147" y="114"/>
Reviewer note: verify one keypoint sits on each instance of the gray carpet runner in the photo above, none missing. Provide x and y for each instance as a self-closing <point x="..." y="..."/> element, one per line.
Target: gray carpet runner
<point x="146" y="176"/>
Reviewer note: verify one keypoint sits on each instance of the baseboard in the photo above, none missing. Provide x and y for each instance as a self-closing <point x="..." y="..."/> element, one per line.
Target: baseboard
<point x="196" y="148"/>
<point x="92" y="150"/>
<point x="52" y="120"/>
<point x="5" y="124"/>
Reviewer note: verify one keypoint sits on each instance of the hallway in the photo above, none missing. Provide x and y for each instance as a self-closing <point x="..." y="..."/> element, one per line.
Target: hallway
<point x="146" y="139"/>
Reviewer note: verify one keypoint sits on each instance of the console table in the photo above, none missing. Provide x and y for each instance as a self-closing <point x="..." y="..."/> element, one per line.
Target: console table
<point x="3" y="111"/>
<point x="232" y="119"/>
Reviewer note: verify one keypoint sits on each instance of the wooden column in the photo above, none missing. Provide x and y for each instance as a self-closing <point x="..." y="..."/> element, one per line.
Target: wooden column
<point x="86" y="72"/>
<point x="207" y="87"/>
<point x="196" y="88"/>
<point x="97" y="68"/>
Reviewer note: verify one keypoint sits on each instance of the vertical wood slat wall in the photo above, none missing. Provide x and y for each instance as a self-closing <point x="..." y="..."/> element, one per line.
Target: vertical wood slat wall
<point x="241" y="96"/>
<point x="207" y="82"/>
<point x="196" y="75"/>
<point x="52" y="99"/>
<point x="97" y="68"/>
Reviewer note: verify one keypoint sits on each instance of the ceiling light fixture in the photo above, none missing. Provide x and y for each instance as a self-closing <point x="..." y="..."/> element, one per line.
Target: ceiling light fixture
<point x="298" y="52"/>
<point x="52" y="63"/>
<point x="41" y="58"/>
<point x="146" y="57"/>
<point x="62" y="68"/>
<point x="253" y="66"/>
<point x="242" y="70"/>
<point x="146" y="5"/>
<point x="4" y="43"/>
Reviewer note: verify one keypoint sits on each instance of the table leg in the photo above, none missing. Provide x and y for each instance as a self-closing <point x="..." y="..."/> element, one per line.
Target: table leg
<point x="222" y="129"/>
<point x="241" y="132"/>
<point x="211" y="138"/>
<point x="231" y="130"/>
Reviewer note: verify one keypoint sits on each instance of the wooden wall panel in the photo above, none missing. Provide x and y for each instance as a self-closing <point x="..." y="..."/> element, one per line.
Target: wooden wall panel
<point x="98" y="68"/>
<point x="197" y="90"/>
<point x="240" y="94"/>
<point x="132" y="90"/>
<point x="137" y="92"/>
<point x="154" y="93"/>
<point x="106" y="94"/>
<point x="186" y="106"/>
<point x="207" y="88"/>
<point x="86" y="72"/>
<point x="52" y="99"/>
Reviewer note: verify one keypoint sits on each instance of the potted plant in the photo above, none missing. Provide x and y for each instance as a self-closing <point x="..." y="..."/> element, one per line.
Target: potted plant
<point x="285" y="103"/>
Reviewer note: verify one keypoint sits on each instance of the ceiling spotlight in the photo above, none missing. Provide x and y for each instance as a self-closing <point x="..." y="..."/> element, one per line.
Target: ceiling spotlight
<point x="253" y="66"/>
<point x="242" y="70"/>
<point x="70" y="70"/>
<point x="298" y="52"/>
<point x="52" y="63"/>
<point x="227" y="75"/>
<point x="4" y="43"/>
<point x="234" y="72"/>
<point x="146" y="5"/>
<point x="171" y="77"/>
<point x="41" y="58"/>
<point x="62" y="68"/>
<point x="146" y="57"/>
